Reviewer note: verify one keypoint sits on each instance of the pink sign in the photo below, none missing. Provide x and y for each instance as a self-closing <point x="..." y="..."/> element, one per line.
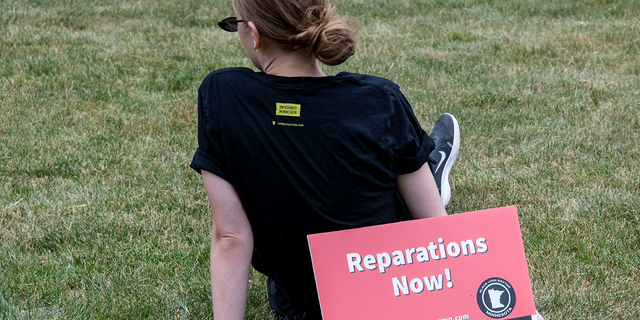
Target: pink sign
<point x="459" y="267"/>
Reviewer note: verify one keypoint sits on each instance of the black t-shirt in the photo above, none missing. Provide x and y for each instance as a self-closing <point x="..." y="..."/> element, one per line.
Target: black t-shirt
<point x="307" y="155"/>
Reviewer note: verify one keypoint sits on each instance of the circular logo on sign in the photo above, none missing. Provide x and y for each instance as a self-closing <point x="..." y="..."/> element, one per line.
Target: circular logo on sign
<point x="496" y="298"/>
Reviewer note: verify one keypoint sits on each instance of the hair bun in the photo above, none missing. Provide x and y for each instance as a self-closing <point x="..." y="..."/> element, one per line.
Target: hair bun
<point x="307" y="26"/>
<point x="326" y="35"/>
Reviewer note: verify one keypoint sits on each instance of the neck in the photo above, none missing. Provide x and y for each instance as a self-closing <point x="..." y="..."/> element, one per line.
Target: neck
<point x="290" y="64"/>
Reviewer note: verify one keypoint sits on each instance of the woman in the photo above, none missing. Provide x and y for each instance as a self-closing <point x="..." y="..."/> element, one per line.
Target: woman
<point x="289" y="151"/>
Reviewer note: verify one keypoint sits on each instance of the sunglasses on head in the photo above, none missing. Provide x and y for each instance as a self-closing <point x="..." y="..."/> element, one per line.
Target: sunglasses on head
<point x="230" y="24"/>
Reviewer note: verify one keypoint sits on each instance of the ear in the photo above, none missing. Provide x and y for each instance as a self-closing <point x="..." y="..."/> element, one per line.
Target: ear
<point x="255" y="34"/>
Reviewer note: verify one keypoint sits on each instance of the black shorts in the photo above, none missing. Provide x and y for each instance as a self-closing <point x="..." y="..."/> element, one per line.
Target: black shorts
<point x="285" y="307"/>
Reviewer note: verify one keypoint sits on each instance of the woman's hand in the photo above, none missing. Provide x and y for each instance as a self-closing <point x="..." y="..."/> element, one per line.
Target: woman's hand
<point x="231" y="249"/>
<point x="420" y="193"/>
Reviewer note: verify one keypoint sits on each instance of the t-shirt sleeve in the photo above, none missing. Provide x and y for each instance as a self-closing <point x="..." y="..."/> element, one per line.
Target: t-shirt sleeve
<point x="411" y="144"/>
<point x="210" y="154"/>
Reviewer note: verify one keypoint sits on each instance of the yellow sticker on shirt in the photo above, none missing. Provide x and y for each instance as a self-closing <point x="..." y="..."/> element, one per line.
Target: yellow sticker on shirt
<point x="288" y="109"/>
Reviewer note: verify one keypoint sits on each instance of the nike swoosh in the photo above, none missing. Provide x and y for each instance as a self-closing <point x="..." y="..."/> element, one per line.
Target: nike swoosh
<point x="443" y="156"/>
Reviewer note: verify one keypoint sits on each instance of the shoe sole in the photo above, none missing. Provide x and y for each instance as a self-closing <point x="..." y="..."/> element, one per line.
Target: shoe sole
<point x="445" y="188"/>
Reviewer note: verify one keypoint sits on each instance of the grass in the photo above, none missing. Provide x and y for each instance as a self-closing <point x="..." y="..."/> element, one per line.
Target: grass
<point x="101" y="218"/>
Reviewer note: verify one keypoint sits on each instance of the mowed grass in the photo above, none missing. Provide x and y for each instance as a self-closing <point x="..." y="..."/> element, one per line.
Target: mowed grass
<point x="101" y="217"/>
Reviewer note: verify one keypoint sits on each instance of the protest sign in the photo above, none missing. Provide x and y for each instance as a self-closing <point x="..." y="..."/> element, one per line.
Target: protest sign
<point x="460" y="267"/>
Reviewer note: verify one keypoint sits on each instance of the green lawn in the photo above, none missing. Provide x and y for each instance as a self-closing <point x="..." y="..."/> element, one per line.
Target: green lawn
<point x="102" y="218"/>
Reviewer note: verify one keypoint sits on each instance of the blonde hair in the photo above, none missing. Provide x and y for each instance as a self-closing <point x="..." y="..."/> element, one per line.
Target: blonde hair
<point x="308" y="26"/>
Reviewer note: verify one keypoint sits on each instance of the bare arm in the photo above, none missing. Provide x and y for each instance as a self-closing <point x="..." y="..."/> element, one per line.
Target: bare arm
<point x="420" y="193"/>
<point x="231" y="249"/>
